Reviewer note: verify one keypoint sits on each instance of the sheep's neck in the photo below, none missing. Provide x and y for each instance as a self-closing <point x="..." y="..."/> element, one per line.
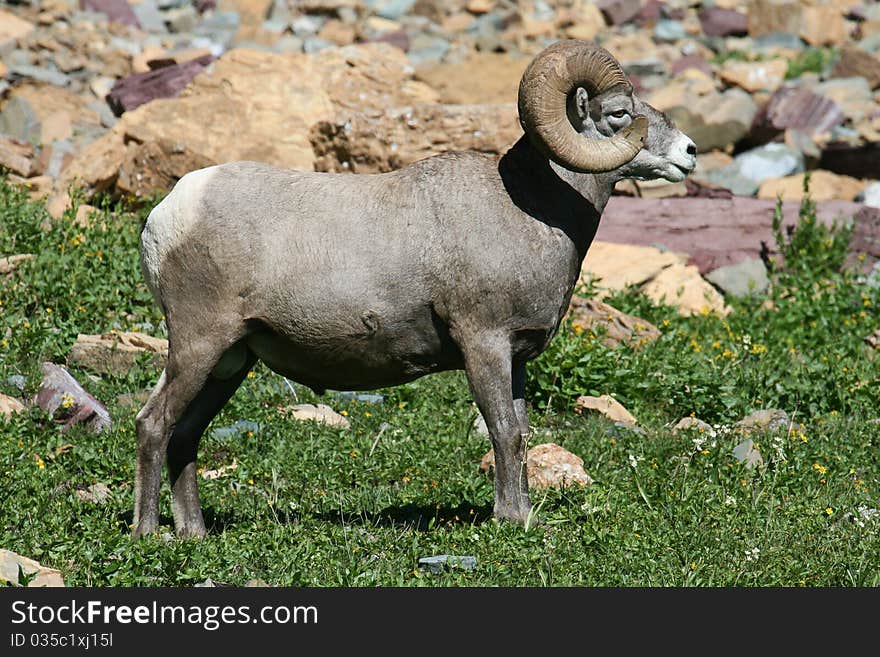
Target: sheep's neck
<point x="564" y="200"/>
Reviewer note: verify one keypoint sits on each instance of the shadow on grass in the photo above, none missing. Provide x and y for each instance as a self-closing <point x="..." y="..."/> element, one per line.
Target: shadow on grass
<point x="413" y="516"/>
<point x="410" y="516"/>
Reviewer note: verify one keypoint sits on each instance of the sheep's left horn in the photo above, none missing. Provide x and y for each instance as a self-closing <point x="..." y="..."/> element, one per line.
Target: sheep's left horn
<point x="543" y="93"/>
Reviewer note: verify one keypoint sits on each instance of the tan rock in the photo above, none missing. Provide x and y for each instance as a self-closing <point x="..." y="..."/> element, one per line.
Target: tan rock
<point x="117" y="352"/>
<point x="384" y="141"/>
<point x="682" y="287"/>
<point x="222" y="471"/>
<point x="755" y="76"/>
<point x="769" y="16"/>
<point x="95" y="494"/>
<point x="617" y="266"/>
<point x="823" y="25"/>
<point x="457" y="22"/>
<point x="605" y="405"/>
<point x="547" y="466"/>
<point x="335" y="31"/>
<point x="38" y="186"/>
<point x="10" y="405"/>
<point x="84" y="214"/>
<point x="318" y="413"/>
<point x="873" y="340"/>
<point x="694" y="424"/>
<point x="587" y="22"/>
<point x="140" y="62"/>
<point x="154" y="167"/>
<point x="57" y="125"/>
<point x="482" y="77"/>
<point x="9" y="263"/>
<point x="13" y="28"/>
<point x="713" y="120"/>
<point x="824" y="186"/>
<point x="611" y="325"/>
<point x="11" y="563"/>
<point x="660" y="189"/>
<point x="17" y="156"/>
<point x="58" y="204"/>
<point x="480" y="6"/>
<point x="267" y="100"/>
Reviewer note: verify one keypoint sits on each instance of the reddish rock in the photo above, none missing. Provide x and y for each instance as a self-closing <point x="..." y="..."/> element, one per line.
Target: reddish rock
<point x="116" y="11"/>
<point x="719" y="232"/>
<point x="690" y="61"/>
<point x="857" y="63"/>
<point x="165" y="82"/>
<point x="64" y="398"/>
<point x="617" y="12"/>
<point x="716" y="21"/>
<point x="794" y="108"/>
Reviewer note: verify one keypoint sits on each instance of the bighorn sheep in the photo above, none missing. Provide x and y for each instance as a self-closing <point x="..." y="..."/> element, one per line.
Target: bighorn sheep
<point x="341" y="281"/>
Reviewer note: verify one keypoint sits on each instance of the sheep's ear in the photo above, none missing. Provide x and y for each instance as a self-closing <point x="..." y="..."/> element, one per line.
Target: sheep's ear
<point x="579" y="110"/>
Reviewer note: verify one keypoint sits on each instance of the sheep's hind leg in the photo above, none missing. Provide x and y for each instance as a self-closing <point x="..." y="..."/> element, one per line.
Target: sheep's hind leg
<point x="189" y="366"/>
<point x="183" y="446"/>
<point x="491" y="377"/>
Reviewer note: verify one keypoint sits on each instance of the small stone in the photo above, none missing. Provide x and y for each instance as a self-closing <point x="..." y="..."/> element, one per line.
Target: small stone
<point x="11" y="563"/>
<point x="207" y="584"/>
<point x="437" y="564"/>
<point x="318" y="413"/>
<point x="18" y="119"/>
<point x="10" y="406"/>
<point x="871" y="195"/>
<point x="668" y="31"/>
<point x="547" y="466"/>
<point x="764" y="421"/>
<point x="766" y="75"/>
<point x="67" y="402"/>
<point x="747" y="454"/>
<point x="694" y="424"/>
<point x="222" y="471"/>
<point x="824" y="186"/>
<point x="17" y="156"/>
<point x="9" y="263"/>
<point x="717" y="21"/>
<point x="479" y="426"/>
<point x="617" y="12"/>
<point x="96" y="493"/>
<point x="237" y="428"/>
<point x="117" y="352"/>
<point x="852" y="95"/>
<point x="745" y="278"/>
<point x="823" y="25"/>
<point x="855" y="62"/>
<point x="13" y="28"/>
<point x="256" y="582"/>
<point x="682" y="287"/>
<point x="605" y="405"/>
<point x="612" y="326"/>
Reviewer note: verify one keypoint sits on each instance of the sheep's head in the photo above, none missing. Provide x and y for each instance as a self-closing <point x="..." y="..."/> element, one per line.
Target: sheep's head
<point x="578" y="107"/>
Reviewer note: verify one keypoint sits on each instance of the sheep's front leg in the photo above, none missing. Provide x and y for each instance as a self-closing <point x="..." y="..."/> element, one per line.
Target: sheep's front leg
<point x="489" y="371"/>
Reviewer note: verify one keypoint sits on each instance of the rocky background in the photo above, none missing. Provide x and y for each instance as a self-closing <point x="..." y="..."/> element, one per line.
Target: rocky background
<point x="122" y="97"/>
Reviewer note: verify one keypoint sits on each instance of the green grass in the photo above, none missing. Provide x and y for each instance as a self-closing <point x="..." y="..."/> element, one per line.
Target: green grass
<point x="310" y="505"/>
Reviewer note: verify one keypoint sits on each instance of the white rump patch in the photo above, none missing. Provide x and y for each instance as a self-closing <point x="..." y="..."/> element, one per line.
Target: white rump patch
<point x="170" y="221"/>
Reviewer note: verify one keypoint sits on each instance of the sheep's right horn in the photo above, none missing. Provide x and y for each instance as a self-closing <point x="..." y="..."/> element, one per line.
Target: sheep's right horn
<point x="543" y="92"/>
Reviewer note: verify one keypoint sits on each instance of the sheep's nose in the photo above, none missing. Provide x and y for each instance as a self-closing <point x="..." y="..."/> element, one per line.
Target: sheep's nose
<point x="692" y="149"/>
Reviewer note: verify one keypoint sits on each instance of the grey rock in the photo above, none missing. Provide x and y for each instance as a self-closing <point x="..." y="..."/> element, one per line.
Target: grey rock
<point x="18" y="119"/>
<point x="772" y="160"/>
<point x="41" y="74"/>
<point x="280" y="12"/>
<point x="730" y="178"/>
<point x="694" y="424"/>
<point x="149" y="16"/>
<point x="645" y="67"/>
<point x="390" y="9"/>
<point x="871" y="195"/>
<point x="766" y="420"/>
<point x="207" y="584"/>
<point x="368" y="398"/>
<point x="424" y="48"/>
<point x="480" y="427"/>
<point x="669" y="31"/>
<point x="235" y="429"/>
<point x="95" y="494"/>
<point x="772" y="42"/>
<point x="275" y="26"/>
<point x="220" y="27"/>
<point x="59" y="149"/>
<point x="748" y="454"/>
<point x="304" y="26"/>
<point x="184" y="19"/>
<point x="437" y="564"/>
<point x="19" y="57"/>
<point x="742" y="279"/>
<point x="17" y="381"/>
<point x="108" y="119"/>
<point x="314" y="44"/>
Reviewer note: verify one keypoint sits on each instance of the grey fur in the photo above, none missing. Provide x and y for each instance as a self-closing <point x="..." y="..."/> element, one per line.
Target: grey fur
<point x="459" y="261"/>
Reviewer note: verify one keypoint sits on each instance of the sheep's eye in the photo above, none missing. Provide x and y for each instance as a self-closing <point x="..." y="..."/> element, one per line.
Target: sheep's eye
<point x="619" y="114"/>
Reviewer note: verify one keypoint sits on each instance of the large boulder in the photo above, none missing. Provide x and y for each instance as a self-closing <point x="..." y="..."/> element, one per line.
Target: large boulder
<point x="255" y="105"/>
<point x="373" y="142"/>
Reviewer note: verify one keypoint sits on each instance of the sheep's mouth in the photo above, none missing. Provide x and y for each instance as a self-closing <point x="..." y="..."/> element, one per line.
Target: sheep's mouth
<point x="685" y="171"/>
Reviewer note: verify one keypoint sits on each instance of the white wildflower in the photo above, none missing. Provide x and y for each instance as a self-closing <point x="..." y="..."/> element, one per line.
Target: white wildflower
<point x="752" y="555"/>
<point x="730" y="500"/>
<point x="634" y="461"/>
